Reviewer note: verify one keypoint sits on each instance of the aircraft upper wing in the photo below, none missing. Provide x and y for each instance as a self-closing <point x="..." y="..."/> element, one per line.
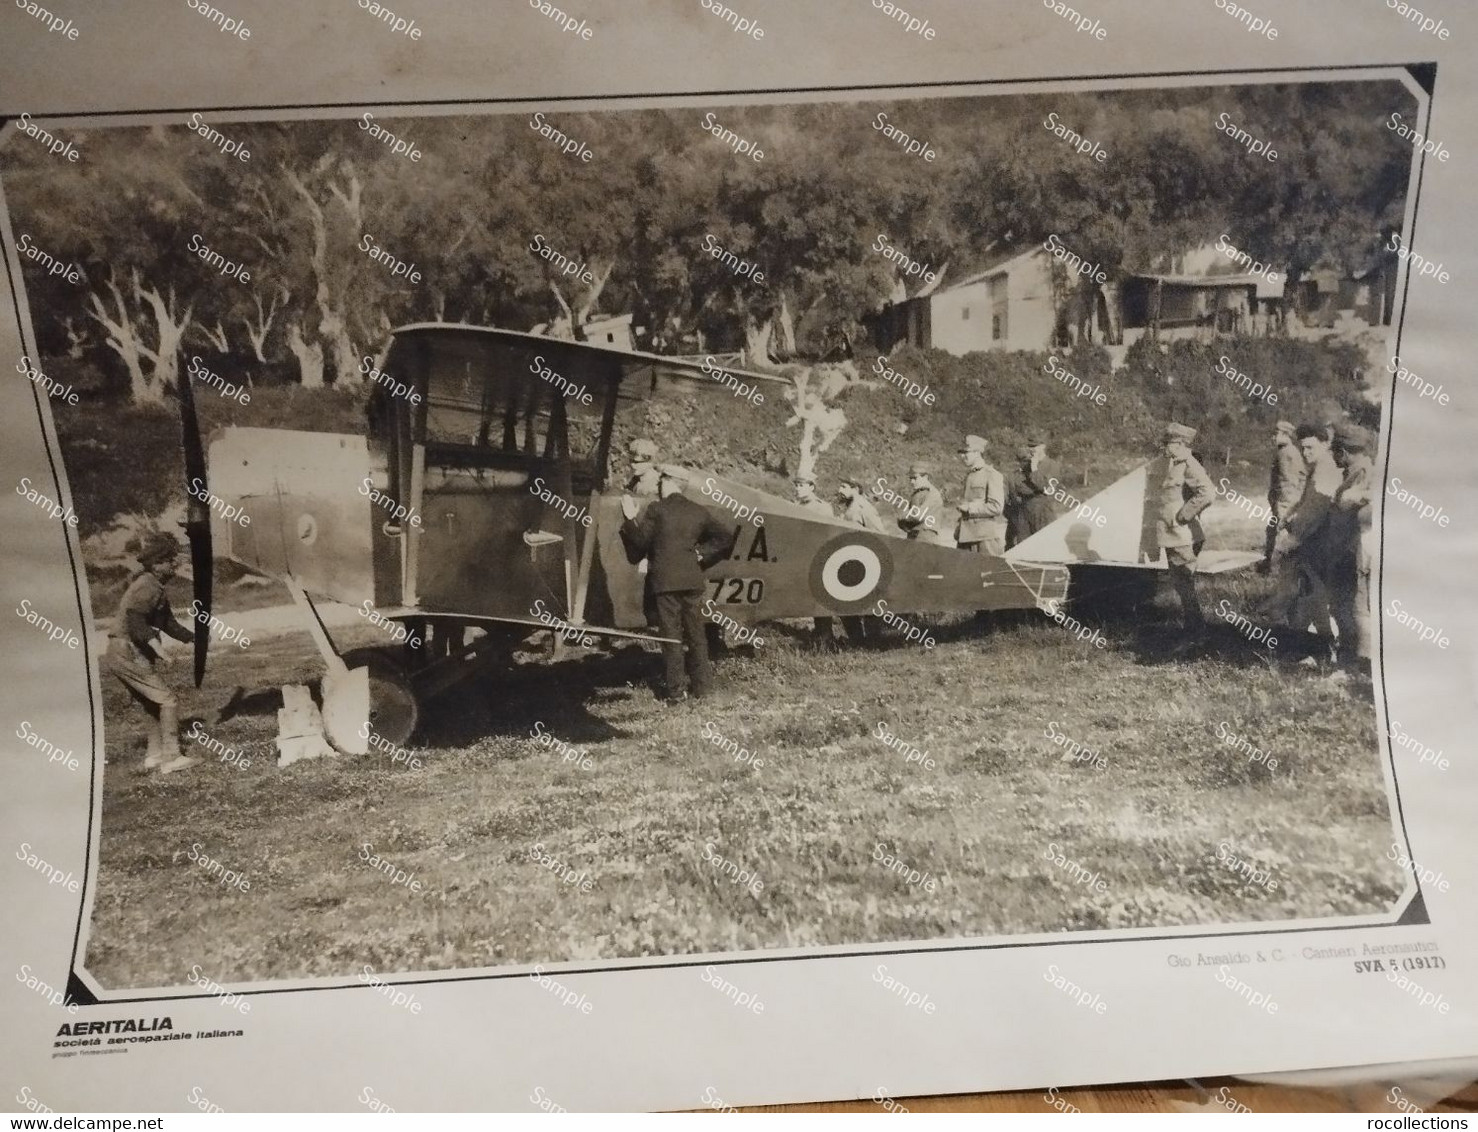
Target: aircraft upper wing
<point x="642" y="374"/>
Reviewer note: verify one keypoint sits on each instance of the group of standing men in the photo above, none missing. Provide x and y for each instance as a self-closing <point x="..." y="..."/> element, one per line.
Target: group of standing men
<point x="1318" y="531"/>
<point x="676" y="538"/>
<point x="1319" y="543"/>
<point x="993" y="512"/>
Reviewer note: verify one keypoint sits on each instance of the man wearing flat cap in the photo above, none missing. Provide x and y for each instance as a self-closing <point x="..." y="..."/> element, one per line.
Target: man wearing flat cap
<point x="857" y="508"/>
<point x="1347" y="544"/>
<point x="642" y="486"/>
<point x="1180" y="490"/>
<point x="644" y="477"/>
<point x="924" y="519"/>
<point x="982" y="505"/>
<point x="1029" y="505"/>
<point x="1285" y="486"/>
<point x="1301" y="597"/>
<point x="134" y="658"/>
<point x="679" y="539"/>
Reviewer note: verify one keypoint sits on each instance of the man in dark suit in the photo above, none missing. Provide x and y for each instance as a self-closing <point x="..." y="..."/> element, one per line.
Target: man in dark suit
<point x="1029" y="494"/>
<point x="679" y="539"/>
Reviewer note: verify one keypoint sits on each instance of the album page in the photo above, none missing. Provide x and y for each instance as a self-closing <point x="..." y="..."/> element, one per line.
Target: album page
<point x="685" y="555"/>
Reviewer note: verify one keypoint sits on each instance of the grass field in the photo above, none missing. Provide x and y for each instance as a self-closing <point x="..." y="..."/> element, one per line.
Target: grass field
<point x="655" y="793"/>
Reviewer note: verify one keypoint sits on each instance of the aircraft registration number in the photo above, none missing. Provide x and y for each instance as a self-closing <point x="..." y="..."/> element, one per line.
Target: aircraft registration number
<point x="737" y="591"/>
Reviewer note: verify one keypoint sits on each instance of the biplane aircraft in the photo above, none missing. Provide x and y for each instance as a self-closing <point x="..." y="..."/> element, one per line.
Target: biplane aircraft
<point x="479" y="507"/>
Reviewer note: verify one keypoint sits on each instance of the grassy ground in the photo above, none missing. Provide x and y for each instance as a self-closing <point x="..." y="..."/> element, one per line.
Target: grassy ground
<point x="637" y="820"/>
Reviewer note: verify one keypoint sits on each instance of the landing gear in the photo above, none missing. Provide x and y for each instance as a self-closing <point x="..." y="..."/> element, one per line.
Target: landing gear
<point x="403" y="681"/>
<point x="388" y="688"/>
<point x="1109" y="593"/>
<point x="394" y="711"/>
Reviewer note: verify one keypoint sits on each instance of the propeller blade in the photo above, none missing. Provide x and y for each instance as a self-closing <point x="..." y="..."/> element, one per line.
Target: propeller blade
<point x="201" y="562"/>
<point x="197" y="519"/>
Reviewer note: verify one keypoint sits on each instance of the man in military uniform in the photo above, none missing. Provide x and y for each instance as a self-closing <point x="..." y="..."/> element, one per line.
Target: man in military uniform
<point x="860" y="511"/>
<point x="857" y="508"/>
<point x="1029" y="507"/>
<point x="924" y="519"/>
<point x="132" y="655"/>
<point x="679" y="539"/>
<point x="822" y="631"/>
<point x="805" y="495"/>
<point x="982" y="505"/>
<point x="1347" y="545"/>
<point x="1180" y="490"/>
<point x="1285" y="486"/>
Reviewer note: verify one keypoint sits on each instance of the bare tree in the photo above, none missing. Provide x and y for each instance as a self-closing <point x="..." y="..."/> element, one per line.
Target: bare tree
<point x="125" y="336"/>
<point x="576" y="317"/>
<point x="216" y="337"/>
<point x="813" y="397"/>
<point x="309" y="355"/>
<point x="333" y="321"/>
<point x="257" y="331"/>
<point x="76" y="337"/>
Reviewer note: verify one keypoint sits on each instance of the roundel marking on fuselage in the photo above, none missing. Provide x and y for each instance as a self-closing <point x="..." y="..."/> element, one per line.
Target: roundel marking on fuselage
<point x="851" y="571"/>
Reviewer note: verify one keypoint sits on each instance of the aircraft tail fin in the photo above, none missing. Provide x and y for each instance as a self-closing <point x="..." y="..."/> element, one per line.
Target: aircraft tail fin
<point x="1115" y="527"/>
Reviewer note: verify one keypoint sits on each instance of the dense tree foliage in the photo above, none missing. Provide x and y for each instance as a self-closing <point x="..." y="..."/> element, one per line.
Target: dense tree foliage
<point x="638" y="215"/>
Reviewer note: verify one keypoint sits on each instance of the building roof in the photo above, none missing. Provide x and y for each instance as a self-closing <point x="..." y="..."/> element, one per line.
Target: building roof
<point x="1247" y="280"/>
<point x="994" y="265"/>
<point x="1266" y="288"/>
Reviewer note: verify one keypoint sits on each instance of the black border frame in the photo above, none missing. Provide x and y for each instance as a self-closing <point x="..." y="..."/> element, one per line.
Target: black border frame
<point x="1415" y="912"/>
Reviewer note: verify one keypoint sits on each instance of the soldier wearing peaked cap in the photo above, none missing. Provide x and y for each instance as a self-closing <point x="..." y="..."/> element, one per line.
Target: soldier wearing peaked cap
<point x="982" y="505"/>
<point x="924" y="518"/>
<point x="822" y="629"/>
<point x="1301" y="597"/>
<point x="1180" y="490"/>
<point x="1285" y="486"/>
<point x="805" y="495"/>
<point x="641" y="489"/>
<point x="1347" y="544"/>
<point x="858" y="510"/>
<point x="132" y="655"/>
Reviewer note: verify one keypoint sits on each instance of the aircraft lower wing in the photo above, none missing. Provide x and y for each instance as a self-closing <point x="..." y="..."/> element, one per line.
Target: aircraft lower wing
<point x="403" y="614"/>
<point x="1209" y="562"/>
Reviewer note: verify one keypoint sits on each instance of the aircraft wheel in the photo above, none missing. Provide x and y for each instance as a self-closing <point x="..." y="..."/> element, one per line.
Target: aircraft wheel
<point x="394" y="711"/>
<point x="1109" y="593"/>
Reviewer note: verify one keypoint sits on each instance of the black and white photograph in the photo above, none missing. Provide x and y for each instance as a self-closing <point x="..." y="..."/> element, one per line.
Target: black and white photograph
<point x="717" y="555"/>
<point x="581" y="533"/>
